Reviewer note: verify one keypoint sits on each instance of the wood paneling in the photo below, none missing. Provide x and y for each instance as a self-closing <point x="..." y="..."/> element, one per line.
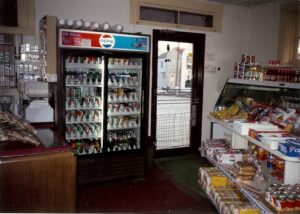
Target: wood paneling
<point x="38" y="183"/>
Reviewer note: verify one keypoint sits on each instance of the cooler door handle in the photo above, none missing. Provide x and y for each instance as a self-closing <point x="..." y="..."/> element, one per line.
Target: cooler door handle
<point x="194" y="115"/>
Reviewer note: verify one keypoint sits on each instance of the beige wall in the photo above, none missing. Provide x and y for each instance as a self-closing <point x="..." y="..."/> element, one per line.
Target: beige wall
<point x="240" y="34"/>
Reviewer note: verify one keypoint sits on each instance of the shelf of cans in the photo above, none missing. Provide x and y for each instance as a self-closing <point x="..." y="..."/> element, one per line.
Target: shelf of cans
<point x="274" y="71"/>
<point x="283" y="198"/>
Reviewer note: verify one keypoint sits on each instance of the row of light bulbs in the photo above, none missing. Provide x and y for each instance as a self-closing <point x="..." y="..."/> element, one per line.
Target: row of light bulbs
<point x="87" y="25"/>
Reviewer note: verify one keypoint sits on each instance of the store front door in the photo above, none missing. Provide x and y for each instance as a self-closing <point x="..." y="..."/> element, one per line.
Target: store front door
<point x="178" y="61"/>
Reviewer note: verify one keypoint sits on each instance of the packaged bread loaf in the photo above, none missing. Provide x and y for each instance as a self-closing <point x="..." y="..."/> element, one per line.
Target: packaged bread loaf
<point x="243" y="208"/>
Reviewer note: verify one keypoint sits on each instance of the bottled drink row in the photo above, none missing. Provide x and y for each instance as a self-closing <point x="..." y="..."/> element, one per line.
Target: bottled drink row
<point x="79" y="131"/>
<point x="85" y="146"/>
<point x="271" y="72"/>
<point x="122" y="122"/>
<point x="87" y="25"/>
<point x="91" y="78"/>
<point x="84" y="60"/>
<point x="83" y="102"/>
<point x="77" y="116"/>
<point x="123" y="108"/>
<point x="122" y="140"/>
<point x="123" y="79"/>
<point x="78" y="92"/>
<point x="124" y="61"/>
<point x="122" y="95"/>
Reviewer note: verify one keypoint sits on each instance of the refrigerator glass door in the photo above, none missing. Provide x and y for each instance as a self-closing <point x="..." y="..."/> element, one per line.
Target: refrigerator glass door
<point x="83" y="107"/>
<point x="124" y="101"/>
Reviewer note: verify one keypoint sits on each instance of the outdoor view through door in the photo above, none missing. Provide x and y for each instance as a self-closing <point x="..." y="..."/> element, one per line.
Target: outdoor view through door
<point x="177" y="90"/>
<point x="174" y="79"/>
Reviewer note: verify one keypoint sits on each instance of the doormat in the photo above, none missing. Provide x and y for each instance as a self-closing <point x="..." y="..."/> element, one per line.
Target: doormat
<point x="184" y="170"/>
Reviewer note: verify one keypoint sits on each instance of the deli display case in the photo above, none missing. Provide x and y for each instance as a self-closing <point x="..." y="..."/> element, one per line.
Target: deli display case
<point x="255" y="143"/>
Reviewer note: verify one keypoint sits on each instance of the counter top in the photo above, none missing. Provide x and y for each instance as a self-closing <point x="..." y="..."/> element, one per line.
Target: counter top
<point x="51" y="142"/>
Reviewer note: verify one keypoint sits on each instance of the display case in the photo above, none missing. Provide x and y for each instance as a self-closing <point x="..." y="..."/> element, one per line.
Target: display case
<point x="250" y="106"/>
<point x="281" y="94"/>
<point x="270" y="95"/>
<point x="101" y="107"/>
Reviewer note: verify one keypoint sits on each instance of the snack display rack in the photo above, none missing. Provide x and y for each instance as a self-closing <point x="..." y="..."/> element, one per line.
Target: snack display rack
<point x="261" y="90"/>
<point x="251" y="189"/>
<point x="275" y="92"/>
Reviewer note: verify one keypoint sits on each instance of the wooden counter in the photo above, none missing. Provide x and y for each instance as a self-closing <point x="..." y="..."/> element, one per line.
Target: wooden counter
<point x="43" y="181"/>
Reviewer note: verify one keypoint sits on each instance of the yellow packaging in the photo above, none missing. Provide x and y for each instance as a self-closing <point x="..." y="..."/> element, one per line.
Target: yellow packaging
<point x="218" y="181"/>
<point x="244" y="208"/>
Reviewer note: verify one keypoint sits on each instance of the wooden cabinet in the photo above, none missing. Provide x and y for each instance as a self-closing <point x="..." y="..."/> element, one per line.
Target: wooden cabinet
<point x="38" y="178"/>
<point x="38" y="183"/>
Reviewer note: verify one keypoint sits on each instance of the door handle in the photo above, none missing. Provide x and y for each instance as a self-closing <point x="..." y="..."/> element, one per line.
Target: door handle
<point x="194" y="115"/>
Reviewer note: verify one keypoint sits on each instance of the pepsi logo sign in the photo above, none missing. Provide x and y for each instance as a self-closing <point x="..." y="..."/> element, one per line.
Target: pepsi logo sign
<point x="107" y="41"/>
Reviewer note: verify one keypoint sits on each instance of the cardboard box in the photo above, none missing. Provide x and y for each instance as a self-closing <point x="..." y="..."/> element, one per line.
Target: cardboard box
<point x="291" y="148"/>
<point x="243" y="127"/>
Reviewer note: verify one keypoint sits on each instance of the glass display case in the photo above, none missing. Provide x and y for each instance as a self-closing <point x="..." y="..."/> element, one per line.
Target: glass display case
<point x="284" y="95"/>
<point x="51" y="142"/>
<point x="265" y="103"/>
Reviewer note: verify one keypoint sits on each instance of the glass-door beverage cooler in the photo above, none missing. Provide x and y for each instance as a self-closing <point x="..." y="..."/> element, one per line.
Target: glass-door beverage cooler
<point x="101" y="86"/>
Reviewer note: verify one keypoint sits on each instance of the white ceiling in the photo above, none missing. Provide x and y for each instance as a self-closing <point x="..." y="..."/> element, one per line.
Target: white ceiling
<point x="249" y="3"/>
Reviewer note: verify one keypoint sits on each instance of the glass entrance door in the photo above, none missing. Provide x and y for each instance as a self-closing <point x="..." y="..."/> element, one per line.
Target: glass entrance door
<point x="177" y="90"/>
<point x="174" y="78"/>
